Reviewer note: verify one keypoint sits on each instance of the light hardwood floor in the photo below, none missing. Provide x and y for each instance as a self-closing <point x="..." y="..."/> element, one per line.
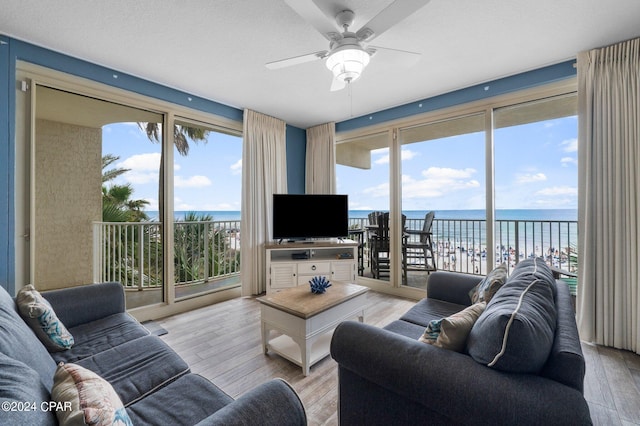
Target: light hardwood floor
<point x="222" y="342"/>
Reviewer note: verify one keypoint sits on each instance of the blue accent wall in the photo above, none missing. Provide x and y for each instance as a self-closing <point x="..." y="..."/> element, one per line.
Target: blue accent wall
<point x="478" y="92"/>
<point x="296" y="159"/>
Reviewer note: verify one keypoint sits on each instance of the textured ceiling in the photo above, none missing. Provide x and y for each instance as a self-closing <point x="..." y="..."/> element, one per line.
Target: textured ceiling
<point x="217" y="49"/>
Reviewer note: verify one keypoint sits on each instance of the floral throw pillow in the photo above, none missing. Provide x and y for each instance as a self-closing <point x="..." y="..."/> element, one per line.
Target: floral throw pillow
<point x="432" y="332"/>
<point x="486" y="288"/>
<point x="39" y="315"/>
<point x="90" y="398"/>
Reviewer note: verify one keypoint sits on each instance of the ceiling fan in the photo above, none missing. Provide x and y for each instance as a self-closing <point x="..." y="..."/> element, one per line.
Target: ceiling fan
<point x="349" y="52"/>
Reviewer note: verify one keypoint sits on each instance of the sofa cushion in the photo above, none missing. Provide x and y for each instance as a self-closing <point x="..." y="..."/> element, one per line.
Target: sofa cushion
<point x="18" y="341"/>
<point x="21" y="388"/>
<point x="137" y="367"/>
<point x="185" y="401"/>
<point x="40" y="316"/>
<point x="430" y="309"/>
<point x="516" y="331"/>
<point x="455" y="329"/>
<point x="489" y="285"/>
<point x="405" y="328"/>
<point x="93" y="401"/>
<point x="101" y="335"/>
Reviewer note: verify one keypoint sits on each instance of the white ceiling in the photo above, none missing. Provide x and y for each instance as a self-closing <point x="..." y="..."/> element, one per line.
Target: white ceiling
<point x="217" y="49"/>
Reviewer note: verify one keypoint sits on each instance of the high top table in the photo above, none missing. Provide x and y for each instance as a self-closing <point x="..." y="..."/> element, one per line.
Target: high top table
<point x="306" y="320"/>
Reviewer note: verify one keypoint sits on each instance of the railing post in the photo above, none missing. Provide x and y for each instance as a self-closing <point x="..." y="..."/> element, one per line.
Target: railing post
<point x="141" y="256"/>
<point x="207" y="226"/>
<point x="517" y="237"/>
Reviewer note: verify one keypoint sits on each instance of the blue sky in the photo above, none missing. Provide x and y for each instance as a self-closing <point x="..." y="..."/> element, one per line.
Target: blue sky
<point x="536" y="167"/>
<point x="209" y="178"/>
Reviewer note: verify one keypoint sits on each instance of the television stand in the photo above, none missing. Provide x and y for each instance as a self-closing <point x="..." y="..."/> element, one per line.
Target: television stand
<point x="290" y="264"/>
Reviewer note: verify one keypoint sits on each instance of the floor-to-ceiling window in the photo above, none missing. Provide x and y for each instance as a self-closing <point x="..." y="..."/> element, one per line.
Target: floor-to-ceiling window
<point x="363" y="172"/>
<point x="443" y="197"/>
<point x="99" y="182"/>
<point x="471" y="165"/>
<point x="536" y="181"/>
<point x="207" y="166"/>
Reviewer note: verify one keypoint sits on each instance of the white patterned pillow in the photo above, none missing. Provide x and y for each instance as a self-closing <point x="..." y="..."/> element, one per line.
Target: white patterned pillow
<point x="39" y="315"/>
<point x="92" y="399"/>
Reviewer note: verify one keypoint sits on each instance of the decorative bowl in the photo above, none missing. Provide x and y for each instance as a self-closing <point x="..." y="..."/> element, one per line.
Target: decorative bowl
<point x="319" y="285"/>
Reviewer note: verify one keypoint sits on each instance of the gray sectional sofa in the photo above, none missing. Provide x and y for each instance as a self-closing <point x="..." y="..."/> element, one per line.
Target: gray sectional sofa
<point x="154" y="384"/>
<point x="387" y="376"/>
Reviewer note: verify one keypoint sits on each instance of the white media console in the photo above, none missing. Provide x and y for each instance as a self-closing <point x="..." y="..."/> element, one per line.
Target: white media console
<point x="290" y="264"/>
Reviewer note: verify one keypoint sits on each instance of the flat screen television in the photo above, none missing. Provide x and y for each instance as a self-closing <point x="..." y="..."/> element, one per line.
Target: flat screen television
<point x="307" y="216"/>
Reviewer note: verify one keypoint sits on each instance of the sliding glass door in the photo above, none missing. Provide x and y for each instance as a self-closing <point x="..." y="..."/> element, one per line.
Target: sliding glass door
<point x="443" y="197"/>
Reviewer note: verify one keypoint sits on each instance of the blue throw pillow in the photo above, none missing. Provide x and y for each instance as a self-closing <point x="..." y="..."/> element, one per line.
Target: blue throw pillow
<point x="39" y="315"/>
<point x="516" y="331"/>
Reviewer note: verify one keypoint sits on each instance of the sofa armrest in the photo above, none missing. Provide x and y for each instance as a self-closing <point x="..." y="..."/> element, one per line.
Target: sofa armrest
<point x="272" y="403"/>
<point x="451" y="287"/>
<point x="86" y="303"/>
<point x="449" y="384"/>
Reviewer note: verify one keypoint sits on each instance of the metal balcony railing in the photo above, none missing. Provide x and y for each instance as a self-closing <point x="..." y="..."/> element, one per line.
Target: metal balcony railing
<point x="131" y="252"/>
<point x="460" y="244"/>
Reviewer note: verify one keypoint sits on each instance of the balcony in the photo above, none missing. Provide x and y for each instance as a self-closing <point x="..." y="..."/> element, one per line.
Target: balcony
<point x="206" y="257"/>
<point x="460" y="245"/>
<point x="207" y="253"/>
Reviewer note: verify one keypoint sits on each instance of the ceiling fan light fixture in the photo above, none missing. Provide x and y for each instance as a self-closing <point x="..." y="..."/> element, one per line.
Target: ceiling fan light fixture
<point x="347" y="62"/>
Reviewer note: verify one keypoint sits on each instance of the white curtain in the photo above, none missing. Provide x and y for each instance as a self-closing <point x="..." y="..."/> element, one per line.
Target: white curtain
<point x="609" y="204"/>
<point x="320" y="176"/>
<point x="264" y="173"/>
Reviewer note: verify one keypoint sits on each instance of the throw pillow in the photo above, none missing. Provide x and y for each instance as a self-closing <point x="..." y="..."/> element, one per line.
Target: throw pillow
<point x="516" y="331"/>
<point x="431" y="333"/>
<point x="486" y="288"/>
<point x="39" y="315"/>
<point x="455" y="329"/>
<point x="93" y="400"/>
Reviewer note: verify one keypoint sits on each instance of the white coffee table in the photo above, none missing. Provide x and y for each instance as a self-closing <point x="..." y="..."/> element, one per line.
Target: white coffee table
<point x="306" y="320"/>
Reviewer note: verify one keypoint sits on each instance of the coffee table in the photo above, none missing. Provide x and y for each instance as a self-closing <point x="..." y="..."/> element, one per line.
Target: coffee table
<point x="306" y="320"/>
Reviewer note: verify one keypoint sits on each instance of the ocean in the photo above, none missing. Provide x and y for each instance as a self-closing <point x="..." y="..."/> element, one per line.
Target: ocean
<point x="505" y="214"/>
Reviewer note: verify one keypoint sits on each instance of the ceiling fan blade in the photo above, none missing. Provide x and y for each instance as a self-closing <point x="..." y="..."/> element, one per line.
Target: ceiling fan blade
<point x="296" y="60"/>
<point x="402" y="58"/>
<point x="387" y="18"/>
<point x="311" y="13"/>
<point x="337" y="84"/>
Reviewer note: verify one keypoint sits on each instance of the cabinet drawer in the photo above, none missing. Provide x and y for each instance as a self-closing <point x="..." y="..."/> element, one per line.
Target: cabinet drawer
<point x="314" y="268"/>
<point x="304" y="279"/>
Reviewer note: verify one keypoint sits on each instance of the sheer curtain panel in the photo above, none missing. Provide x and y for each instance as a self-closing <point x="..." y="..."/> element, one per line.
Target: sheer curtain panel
<point x="320" y="176"/>
<point x="264" y="173"/>
<point x="609" y="205"/>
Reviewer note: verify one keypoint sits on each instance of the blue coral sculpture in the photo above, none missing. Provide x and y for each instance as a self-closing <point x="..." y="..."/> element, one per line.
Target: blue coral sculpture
<point x="319" y="285"/>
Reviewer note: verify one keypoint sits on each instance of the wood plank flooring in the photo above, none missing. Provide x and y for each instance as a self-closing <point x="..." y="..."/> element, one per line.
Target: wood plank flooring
<point x="222" y="343"/>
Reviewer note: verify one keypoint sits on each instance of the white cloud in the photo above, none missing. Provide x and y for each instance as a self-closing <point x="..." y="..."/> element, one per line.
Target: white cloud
<point x="236" y="168"/>
<point x="558" y="191"/>
<point x="566" y="161"/>
<point x="197" y="181"/>
<point x="381" y="190"/>
<point x="531" y="177"/>
<point x="142" y="162"/>
<point x="405" y="154"/>
<point x="570" y="145"/>
<point x="438" y="181"/>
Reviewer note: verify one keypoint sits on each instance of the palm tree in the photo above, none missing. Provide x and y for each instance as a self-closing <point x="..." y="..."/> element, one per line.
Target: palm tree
<point x="181" y="137"/>
<point x="117" y="205"/>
